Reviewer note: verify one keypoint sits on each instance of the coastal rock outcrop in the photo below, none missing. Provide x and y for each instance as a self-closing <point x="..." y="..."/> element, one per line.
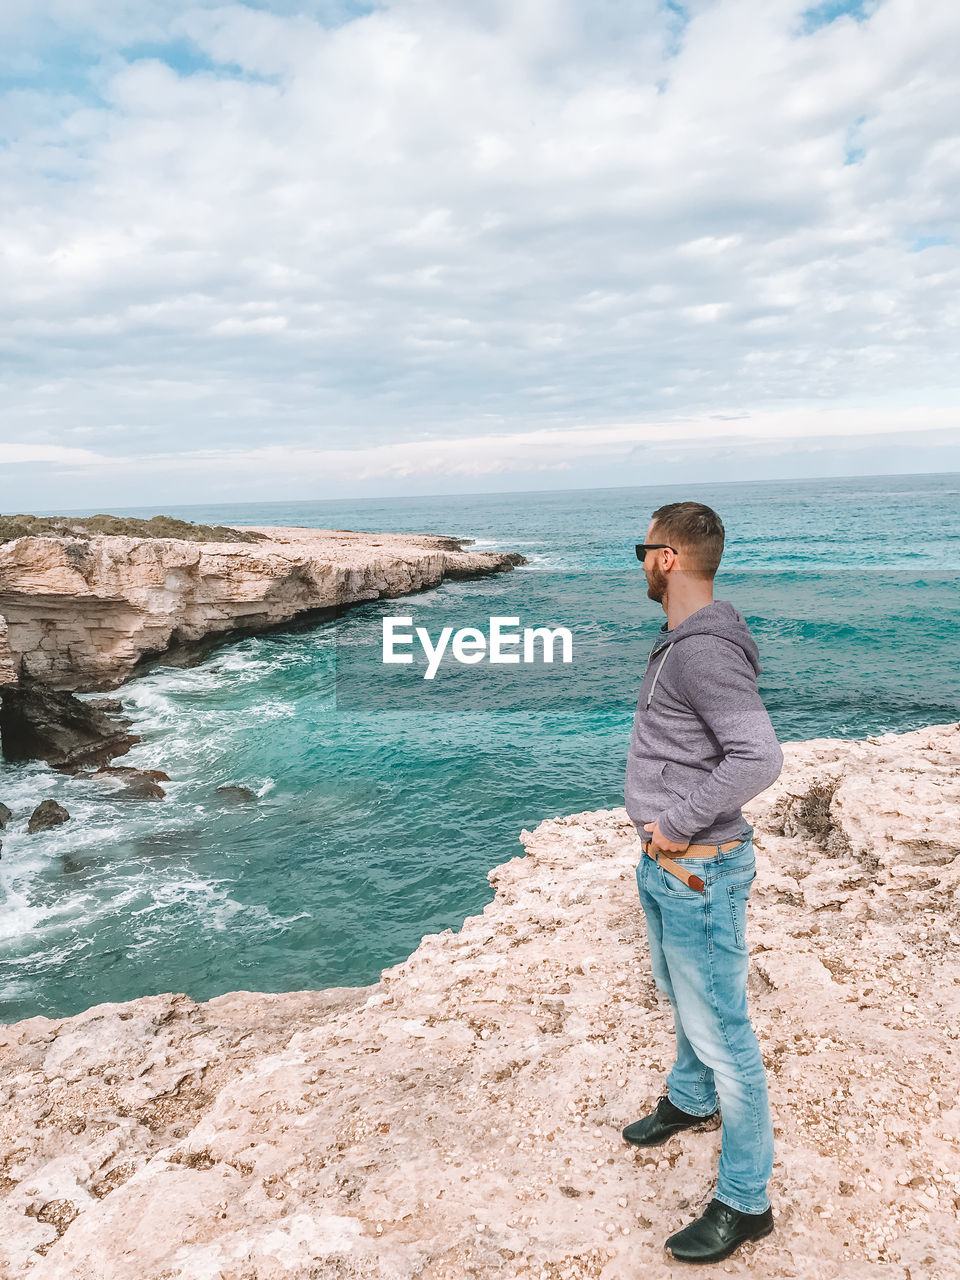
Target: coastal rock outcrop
<point x="461" y="1117"/>
<point x="40" y="723"/>
<point x="84" y="614"/>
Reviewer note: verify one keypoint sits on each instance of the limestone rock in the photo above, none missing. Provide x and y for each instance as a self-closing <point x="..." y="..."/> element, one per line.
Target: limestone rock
<point x="461" y="1117"/>
<point x="83" y="616"/>
<point x="8" y="663"/>
<point x="86" y="615"/>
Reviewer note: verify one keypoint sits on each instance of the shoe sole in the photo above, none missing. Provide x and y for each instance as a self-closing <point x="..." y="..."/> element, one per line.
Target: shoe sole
<point x="719" y="1257"/>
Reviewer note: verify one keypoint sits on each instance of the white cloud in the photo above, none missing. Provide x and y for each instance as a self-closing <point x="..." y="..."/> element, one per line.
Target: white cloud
<point x="19" y="453"/>
<point x="494" y="453"/>
<point x="435" y="217"/>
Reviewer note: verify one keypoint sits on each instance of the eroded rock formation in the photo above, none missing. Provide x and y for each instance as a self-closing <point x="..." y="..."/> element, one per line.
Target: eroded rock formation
<point x="461" y="1117"/>
<point x="82" y="614"/>
<point x="78" y="614"/>
<point x="8" y="663"/>
<point x="40" y="723"/>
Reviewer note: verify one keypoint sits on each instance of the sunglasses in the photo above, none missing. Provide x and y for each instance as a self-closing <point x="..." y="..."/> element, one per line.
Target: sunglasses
<point x="644" y="547"/>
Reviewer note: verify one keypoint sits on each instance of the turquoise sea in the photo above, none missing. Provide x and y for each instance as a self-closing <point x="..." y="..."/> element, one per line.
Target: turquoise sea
<point x="375" y="824"/>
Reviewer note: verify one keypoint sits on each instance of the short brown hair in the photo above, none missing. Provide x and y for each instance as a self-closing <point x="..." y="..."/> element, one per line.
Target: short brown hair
<point x="695" y="529"/>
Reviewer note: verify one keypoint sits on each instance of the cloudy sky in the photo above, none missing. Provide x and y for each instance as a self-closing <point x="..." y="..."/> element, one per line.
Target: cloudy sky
<point x="317" y="248"/>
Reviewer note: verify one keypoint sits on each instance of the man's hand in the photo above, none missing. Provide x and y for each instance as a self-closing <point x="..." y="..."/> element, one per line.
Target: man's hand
<point x="659" y="841"/>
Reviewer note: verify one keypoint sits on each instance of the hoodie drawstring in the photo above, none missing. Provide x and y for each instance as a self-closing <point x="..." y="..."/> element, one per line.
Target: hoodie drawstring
<point x="659" y="669"/>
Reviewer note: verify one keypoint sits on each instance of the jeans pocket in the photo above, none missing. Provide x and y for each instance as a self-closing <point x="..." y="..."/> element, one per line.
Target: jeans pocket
<point x="737" y="896"/>
<point x="674" y="887"/>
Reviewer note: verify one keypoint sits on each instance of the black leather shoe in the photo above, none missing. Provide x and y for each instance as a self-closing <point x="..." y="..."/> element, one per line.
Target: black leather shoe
<point x="717" y="1232"/>
<point x="661" y="1124"/>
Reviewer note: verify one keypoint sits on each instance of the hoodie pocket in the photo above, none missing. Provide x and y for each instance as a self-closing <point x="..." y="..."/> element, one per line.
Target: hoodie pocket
<point x="680" y="779"/>
<point x="644" y="783"/>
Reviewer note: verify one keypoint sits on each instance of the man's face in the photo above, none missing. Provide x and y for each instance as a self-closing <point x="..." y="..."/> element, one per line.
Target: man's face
<point x="656" y="578"/>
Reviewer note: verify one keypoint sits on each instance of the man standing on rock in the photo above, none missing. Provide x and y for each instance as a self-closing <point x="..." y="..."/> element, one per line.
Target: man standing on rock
<point x="702" y="746"/>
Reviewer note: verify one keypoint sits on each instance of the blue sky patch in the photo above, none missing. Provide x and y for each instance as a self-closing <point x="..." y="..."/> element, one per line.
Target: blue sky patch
<point x="678" y="20"/>
<point x="919" y="243"/>
<point x="182" y="56"/>
<point x="187" y="59"/>
<point x="821" y="15"/>
<point x="63" y="58"/>
<point x="329" y="13"/>
<point x="855" y="152"/>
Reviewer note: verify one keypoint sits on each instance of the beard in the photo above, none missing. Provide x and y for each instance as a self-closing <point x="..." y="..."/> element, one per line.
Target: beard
<point x="656" y="584"/>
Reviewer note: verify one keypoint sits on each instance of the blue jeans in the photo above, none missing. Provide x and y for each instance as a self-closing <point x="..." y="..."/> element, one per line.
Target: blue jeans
<point x="699" y="957"/>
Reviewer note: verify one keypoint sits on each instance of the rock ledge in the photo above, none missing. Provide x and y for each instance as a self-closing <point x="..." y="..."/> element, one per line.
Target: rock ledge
<point x="461" y="1117"/>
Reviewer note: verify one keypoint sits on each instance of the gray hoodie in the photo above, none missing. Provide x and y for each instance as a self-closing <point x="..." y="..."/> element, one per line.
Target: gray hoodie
<point x="702" y="741"/>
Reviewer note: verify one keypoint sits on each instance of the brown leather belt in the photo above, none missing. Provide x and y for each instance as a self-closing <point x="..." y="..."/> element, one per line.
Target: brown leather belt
<point x="692" y="850"/>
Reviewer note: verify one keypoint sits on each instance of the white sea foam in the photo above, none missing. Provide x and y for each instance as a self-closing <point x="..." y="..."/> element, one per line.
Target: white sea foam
<point x="53" y="931"/>
<point x="275" y="710"/>
<point x="506" y="544"/>
<point x="211" y="904"/>
<point x="19" y="918"/>
<point x="538" y="563"/>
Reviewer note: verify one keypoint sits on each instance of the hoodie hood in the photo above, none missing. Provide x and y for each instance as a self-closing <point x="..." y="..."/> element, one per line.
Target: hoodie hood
<point x="718" y="618"/>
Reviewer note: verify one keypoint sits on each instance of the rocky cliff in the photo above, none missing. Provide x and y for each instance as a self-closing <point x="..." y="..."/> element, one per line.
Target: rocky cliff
<point x="461" y="1117"/>
<point x="85" y="613"/>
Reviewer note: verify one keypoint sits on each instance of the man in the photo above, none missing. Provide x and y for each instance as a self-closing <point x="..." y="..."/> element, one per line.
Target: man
<point x="702" y="745"/>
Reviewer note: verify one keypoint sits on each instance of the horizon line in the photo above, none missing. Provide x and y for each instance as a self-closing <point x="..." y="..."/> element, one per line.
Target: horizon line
<point x="493" y="493"/>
